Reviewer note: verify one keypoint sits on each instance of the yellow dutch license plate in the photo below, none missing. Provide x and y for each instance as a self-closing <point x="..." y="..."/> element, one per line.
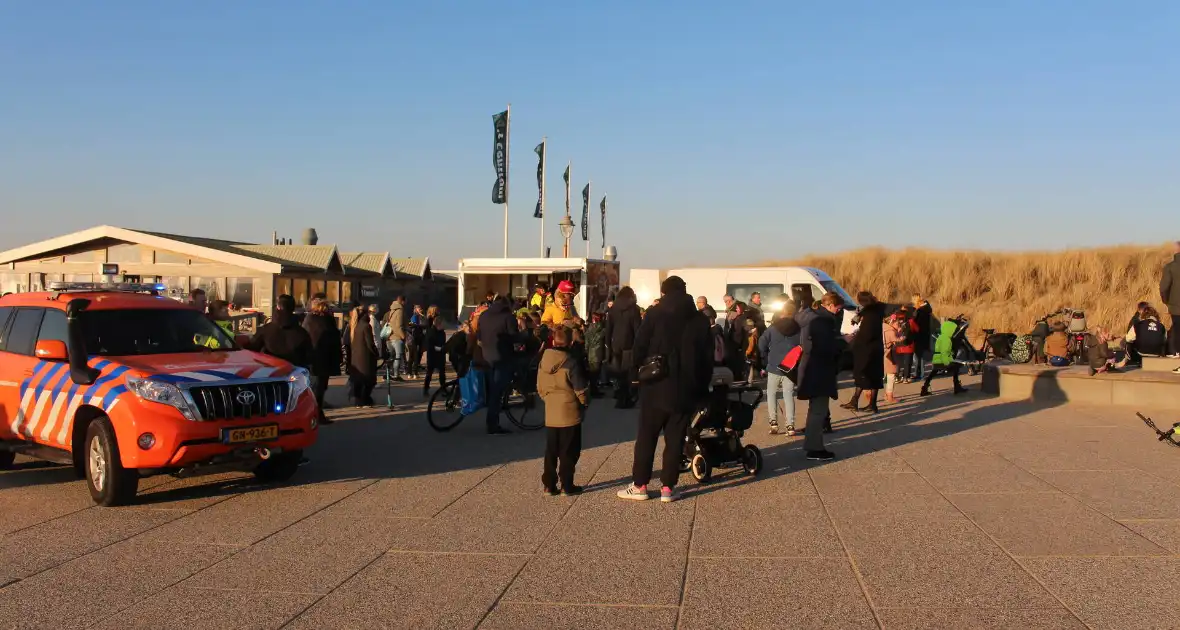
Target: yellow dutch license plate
<point x="250" y="434"/>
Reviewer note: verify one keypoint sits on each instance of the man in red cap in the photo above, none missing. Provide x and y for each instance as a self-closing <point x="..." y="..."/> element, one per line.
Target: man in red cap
<point x="562" y="308"/>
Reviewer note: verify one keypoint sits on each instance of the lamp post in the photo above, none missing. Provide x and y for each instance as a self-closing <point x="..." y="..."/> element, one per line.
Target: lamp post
<point x="567" y="230"/>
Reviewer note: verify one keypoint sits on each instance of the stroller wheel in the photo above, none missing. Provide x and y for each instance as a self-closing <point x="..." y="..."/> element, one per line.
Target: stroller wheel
<point x="752" y="459"/>
<point x="701" y="470"/>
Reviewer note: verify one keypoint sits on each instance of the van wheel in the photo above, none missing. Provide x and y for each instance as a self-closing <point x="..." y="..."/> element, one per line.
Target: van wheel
<point x="110" y="484"/>
<point x="280" y="467"/>
<point x="6" y="459"/>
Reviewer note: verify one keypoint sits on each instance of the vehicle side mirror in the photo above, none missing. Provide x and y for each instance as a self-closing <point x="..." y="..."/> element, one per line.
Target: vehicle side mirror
<point x="51" y="350"/>
<point x="242" y="340"/>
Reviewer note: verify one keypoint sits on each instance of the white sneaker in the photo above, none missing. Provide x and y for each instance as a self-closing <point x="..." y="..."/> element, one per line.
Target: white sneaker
<point x="1176" y="371"/>
<point x="667" y="495"/>
<point x="634" y="493"/>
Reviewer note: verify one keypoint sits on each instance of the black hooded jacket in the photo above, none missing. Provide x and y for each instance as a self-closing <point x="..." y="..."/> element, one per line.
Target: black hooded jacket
<point x="675" y="329"/>
<point x="325" y="345"/>
<point x="284" y="338"/>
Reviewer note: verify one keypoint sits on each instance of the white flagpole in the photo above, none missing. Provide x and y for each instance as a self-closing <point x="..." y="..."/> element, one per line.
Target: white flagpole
<point x="544" y="157"/>
<point x="507" y="140"/>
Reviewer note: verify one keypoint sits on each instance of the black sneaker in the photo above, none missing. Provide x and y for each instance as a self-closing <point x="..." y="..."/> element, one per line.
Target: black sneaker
<point x="961" y="390"/>
<point x="571" y="491"/>
<point x="924" y="392"/>
<point x="498" y="431"/>
<point x="821" y="456"/>
<point x="550" y="492"/>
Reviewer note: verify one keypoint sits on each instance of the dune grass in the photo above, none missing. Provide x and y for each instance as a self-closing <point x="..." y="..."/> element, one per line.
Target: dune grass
<point x="1006" y="291"/>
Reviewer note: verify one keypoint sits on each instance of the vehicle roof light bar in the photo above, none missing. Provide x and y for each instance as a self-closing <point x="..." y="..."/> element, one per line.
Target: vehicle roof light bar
<point x="125" y="287"/>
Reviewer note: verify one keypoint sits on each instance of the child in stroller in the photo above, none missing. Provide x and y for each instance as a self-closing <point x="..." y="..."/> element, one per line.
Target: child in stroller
<point x="714" y="436"/>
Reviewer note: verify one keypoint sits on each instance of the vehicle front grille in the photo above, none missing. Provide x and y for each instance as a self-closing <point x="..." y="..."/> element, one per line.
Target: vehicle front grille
<point x="244" y="400"/>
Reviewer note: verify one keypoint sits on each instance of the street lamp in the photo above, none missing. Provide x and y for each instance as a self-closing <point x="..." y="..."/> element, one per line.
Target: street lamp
<point x="567" y="230"/>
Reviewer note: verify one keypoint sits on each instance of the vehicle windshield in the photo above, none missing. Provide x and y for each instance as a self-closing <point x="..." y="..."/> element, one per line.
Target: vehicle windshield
<point x="830" y="285"/>
<point x="120" y="333"/>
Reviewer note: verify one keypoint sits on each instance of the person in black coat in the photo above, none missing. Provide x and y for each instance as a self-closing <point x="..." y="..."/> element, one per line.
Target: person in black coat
<point x="819" y="366"/>
<point x="283" y="337"/>
<point x="498" y="333"/>
<point x="622" y="325"/>
<point x="868" y="352"/>
<point x="436" y="354"/>
<point x="924" y="317"/>
<point x="362" y="360"/>
<point x="676" y="331"/>
<point x="325" y="350"/>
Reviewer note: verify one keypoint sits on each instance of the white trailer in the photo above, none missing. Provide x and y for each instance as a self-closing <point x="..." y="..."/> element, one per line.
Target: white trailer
<point x="801" y="284"/>
<point x="594" y="280"/>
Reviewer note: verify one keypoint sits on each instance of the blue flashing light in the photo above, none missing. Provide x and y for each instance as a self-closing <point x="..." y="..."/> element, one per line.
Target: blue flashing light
<point x="161" y="287"/>
<point x="278" y="409"/>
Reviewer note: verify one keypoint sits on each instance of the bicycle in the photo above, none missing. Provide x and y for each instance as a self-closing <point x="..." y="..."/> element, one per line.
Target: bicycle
<point x="445" y="410"/>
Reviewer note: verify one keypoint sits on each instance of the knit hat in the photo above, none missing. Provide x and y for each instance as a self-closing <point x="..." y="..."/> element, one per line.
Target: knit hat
<point x="673" y="284"/>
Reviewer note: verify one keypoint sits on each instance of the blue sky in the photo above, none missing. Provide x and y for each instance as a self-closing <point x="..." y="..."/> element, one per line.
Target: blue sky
<point x="721" y="132"/>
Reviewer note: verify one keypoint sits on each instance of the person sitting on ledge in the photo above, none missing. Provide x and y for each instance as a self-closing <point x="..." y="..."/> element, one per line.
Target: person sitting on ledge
<point x="1098" y="352"/>
<point x="1147" y="335"/>
<point x="1057" y="346"/>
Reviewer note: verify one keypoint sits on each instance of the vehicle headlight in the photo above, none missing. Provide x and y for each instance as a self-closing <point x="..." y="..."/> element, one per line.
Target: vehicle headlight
<point x="300" y="381"/>
<point x="161" y="392"/>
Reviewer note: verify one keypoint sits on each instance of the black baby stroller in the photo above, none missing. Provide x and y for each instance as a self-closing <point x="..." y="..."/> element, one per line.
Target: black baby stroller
<point x="714" y="436"/>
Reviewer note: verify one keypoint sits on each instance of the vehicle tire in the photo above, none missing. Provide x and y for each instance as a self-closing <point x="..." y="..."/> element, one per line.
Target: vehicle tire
<point x="521" y="410"/>
<point x="110" y="484"/>
<point x="1021" y="349"/>
<point x="752" y="459"/>
<point x="6" y="459"/>
<point x="701" y="470"/>
<point x="445" y="410"/>
<point x="280" y="467"/>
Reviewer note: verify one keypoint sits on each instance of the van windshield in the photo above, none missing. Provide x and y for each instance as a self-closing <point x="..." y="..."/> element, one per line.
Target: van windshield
<point x="830" y="285"/>
<point x="121" y="333"/>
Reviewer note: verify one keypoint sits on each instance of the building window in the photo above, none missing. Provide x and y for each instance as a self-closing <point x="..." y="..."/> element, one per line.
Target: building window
<point x="333" y="292"/>
<point x="13" y="283"/>
<point x="318" y="286"/>
<point x="177" y="286"/>
<point x="214" y="287"/>
<point x="125" y="253"/>
<point x="241" y="292"/>
<point x="299" y="291"/>
<point x="79" y="277"/>
<point x="283" y="287"/>
<point x="345" y="292"/>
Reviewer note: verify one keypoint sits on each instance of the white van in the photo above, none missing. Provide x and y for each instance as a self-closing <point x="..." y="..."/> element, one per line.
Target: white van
<point x="803" y="284"/>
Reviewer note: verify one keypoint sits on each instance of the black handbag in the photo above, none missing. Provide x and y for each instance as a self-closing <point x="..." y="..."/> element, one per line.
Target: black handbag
<point x="654" y="369"/>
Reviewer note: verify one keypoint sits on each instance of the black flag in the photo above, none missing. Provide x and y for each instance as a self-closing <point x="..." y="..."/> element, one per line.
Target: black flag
<point x="602" y="206"/>
<point x="586" y="212"/>
<point x="500" y="157"/>
<point x="540" y="211"/>
<point x="566" y="177"/>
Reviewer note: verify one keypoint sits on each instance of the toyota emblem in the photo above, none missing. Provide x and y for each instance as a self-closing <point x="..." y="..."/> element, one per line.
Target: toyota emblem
<point x="246" y="397"/>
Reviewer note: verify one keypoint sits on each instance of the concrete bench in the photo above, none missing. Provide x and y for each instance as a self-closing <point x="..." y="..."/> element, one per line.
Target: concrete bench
<point x="1133" y="388"/>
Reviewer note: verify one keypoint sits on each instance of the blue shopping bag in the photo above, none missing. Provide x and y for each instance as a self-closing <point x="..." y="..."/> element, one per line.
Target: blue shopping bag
<point x="472" y="391"/>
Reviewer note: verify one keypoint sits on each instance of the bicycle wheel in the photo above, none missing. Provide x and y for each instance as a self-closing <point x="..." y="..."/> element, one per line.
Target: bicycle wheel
<point x="445" y="411"/>
<point x="520" y="409"/>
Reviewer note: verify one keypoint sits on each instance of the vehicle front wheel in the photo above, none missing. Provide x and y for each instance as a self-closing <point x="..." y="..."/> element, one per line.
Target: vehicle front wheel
<point x="6" y="459"/>
<point x="279" y="467"/>
<point x="110" y="484"/>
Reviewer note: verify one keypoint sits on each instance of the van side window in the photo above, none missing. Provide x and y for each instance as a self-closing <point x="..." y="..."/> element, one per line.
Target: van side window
<point x="53" y="326"/>
<point x="742" y="292"/>
<point x="5" y="313"/>
<point x="22" y="334"/>
<point x="804" y="294"/>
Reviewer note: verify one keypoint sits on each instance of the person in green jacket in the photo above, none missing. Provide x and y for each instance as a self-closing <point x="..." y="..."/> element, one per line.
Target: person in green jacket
<point x="944" y="359"/>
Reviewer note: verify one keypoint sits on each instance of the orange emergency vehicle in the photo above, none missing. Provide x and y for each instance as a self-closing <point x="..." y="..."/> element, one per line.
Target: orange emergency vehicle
<point x="122" y="383"/>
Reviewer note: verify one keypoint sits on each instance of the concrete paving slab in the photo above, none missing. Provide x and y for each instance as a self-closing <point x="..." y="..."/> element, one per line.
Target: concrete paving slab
<point x="194" y="493"/>
<point x="1163" y="532"/>
<point x="314" y="555"/>
<point x="1121" y="495"/>
<point x="90" y="589"/>
<point x="252" y="516"/>
<point x="1051" y="524"/>
<point x="1057" y="455"/>
<point x="610" y="551"/>
<point x="773" y="527"/>
<point x="869" y="496"/>
<point x="1058" y="618"/>
<point x="533" y="616"/>
<point x="973" y="471"/>
<point x="415" y="591"/>
<point x="25" y="506"/>
<point x="404" y="497"/>
<point x="180" y="608"/>
<point x="773" y="593"/>
<point x="1116" y="593"/>
<point x="54" y="542"/>
<point x="859" y="457"/>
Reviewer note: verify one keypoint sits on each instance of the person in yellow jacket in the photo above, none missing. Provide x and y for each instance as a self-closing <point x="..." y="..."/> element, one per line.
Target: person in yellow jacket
<point x="562" y="307"/>
<point x="219" y="314"/>
<point x="537" y="301"/>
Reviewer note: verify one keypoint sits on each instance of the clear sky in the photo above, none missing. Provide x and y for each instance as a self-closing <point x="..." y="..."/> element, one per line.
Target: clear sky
<point x="722" y="132"/>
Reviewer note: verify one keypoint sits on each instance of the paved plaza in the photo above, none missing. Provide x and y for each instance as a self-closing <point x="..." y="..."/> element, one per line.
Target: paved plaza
<point x="946" y="512"/>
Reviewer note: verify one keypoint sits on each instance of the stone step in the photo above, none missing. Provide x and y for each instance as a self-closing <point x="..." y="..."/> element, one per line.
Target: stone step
<point x="1133" y="388"/>
<point x="1160" y="364"/>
